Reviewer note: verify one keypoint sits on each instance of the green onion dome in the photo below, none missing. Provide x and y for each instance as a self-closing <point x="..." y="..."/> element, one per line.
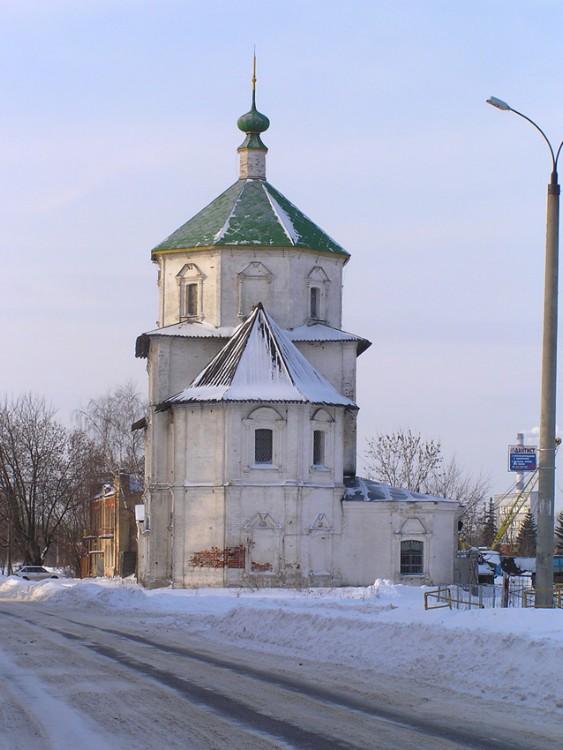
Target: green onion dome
<point x="253" y="122"/>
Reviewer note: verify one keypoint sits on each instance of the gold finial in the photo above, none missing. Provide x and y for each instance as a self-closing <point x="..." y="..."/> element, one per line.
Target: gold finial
<point x="254" y="70"/>
<point x="254" y="78"/>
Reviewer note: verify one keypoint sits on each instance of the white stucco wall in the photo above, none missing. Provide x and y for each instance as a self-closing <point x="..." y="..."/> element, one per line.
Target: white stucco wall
<point x="213" y="517"/>
<point x="287" y="296"/>
<point x="217" y="519"/>
<point x="379" y="527"/>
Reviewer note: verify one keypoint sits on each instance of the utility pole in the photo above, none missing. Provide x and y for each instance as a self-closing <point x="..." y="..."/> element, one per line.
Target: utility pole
<point x="545" y="516"/>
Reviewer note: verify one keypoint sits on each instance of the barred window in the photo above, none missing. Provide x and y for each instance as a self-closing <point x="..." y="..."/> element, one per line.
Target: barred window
<point x="263" y="446"/>
<point x="411" y="558"/>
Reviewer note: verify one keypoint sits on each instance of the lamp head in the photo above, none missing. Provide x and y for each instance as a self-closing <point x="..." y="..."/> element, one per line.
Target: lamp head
<point x="499" y="104"/>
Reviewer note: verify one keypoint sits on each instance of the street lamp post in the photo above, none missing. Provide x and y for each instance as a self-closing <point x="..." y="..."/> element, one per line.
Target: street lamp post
<point x="546" y="464"/>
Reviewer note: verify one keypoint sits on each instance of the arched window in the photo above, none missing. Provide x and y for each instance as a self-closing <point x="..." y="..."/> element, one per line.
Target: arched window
<point x="411" y="557"/>
<point x="264" y="446"/>
<point x="323" y="443"/>
<point x="317" y="284"/>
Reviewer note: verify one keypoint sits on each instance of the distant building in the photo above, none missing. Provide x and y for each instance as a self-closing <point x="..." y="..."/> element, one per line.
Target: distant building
<point x="512" y="508"/>
<point x="111" y="540"/>
<point x="251" y="432"/>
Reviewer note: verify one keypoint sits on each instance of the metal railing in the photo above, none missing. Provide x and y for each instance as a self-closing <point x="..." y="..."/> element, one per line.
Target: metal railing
<point x="458" y="596"/>
<point x="529" y="597"/>
<point x="515" y="591"/>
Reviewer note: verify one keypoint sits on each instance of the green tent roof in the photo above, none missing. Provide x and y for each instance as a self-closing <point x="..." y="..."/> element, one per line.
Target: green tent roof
<point x="251" y="213"/>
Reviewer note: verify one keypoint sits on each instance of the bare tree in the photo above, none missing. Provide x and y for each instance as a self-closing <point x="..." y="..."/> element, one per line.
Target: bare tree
<point x="405" y="459"/>
<point x="44" y="475"/>
<point x="108" y="420"/>
<point x="470" y="491"/>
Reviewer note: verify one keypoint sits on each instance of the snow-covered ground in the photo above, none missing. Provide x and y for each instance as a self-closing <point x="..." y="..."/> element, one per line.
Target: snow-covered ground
<point x="512" y="655"/>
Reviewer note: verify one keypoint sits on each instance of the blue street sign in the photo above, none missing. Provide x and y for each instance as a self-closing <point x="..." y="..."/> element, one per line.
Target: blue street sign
<point x="522" y="458"/>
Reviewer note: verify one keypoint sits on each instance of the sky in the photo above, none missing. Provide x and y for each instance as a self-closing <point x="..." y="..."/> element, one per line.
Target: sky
<point x="506" y="657"/>
<point x="118" y="124"/>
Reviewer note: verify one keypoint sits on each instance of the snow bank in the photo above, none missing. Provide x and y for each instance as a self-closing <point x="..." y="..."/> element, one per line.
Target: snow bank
<point x="511" y="654"/>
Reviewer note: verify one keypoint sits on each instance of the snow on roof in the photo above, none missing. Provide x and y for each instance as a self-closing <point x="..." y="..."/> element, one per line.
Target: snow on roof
<point x="193" y="330"/>
<point x="317" y="332"/>
<point x="183" y="329"/>
<point x="284" y="219"/>
<point x="260" y="363"/>
<point x="367" y="490"/>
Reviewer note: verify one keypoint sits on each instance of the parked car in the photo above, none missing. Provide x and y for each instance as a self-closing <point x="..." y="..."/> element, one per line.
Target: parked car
<point x="33" y="573"/>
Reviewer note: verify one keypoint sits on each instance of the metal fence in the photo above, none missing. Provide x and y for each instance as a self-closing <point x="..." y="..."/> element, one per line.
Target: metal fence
<point x="457" y="596"/>
<point x="514" y="591"/>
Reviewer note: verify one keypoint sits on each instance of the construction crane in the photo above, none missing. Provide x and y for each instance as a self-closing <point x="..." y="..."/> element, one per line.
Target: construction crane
<point x="519" y="502"/>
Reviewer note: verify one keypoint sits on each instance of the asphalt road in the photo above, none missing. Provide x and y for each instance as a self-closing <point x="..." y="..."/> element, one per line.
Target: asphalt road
<point x="80" y="679"/>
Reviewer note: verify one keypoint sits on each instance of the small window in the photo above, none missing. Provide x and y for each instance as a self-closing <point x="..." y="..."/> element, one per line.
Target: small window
<point x="315" y="311"/>
<point x="190" y="290"/>
<point x="318" y="448"/>
<point x="263" y="446"/>
<point x="411" y="558"/>
<point x="191" y="300"/>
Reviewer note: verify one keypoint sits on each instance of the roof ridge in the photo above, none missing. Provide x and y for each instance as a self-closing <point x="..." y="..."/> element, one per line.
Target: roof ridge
<point x="221" y="233"/>
<point x="228" y="357"/>
<point x="278" y="210"/>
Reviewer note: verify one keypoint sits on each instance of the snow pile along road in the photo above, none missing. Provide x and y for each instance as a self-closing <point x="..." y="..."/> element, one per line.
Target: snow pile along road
<point x="502" y="654"/>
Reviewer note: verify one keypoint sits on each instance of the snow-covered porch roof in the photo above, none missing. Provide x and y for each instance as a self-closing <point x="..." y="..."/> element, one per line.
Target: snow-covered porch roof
<point x="261" y="363"/>
<point x="367" y="490"/>
<point x="315" y="333"/>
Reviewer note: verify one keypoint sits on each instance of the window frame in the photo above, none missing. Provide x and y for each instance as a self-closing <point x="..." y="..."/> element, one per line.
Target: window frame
<point x="315" y="303"/>
<point x="412" y="557"/>
<point x="190" y="277"/>
<point x="317" y="283"/>
<point x="262" y="433"/>
<point x="191" y="301"/>
<point x="264" y="418"/>
<point x="319" y="448"/>
<point x="322" y="423"/>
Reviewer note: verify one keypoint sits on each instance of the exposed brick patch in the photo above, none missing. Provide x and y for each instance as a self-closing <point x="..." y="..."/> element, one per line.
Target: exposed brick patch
<point x="230" y="557"/>
<point x="236" y="556"/>
<point x="261" y="567"/>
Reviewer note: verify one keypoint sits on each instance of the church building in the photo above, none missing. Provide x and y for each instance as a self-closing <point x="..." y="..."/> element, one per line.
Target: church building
<point x="251" y="431"/>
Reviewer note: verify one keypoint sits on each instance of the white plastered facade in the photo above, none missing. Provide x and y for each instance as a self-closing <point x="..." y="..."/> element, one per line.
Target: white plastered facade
<point x="214" y="516"/>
